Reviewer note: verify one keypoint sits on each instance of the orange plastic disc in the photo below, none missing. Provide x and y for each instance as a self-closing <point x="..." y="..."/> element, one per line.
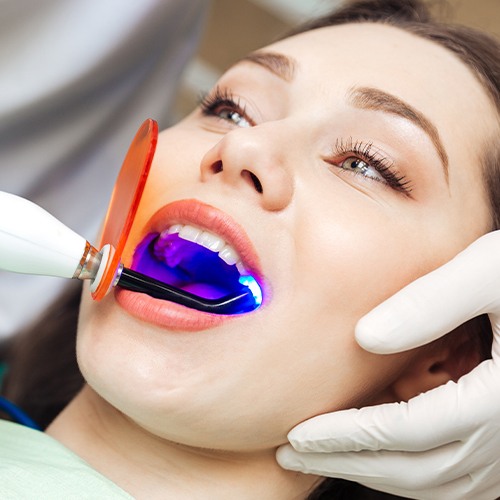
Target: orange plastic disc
<point x="125" y="200"/>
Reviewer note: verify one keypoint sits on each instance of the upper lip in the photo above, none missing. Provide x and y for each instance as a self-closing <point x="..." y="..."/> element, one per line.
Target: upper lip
<point x="212" y="219"/>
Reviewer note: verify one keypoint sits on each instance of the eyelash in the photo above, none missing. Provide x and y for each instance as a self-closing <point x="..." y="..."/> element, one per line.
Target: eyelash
<point x="365" y="152"/>
<point x="214" y="102"/>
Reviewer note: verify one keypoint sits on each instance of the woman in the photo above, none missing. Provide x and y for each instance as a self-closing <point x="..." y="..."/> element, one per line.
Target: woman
<point x="337" y="169"/>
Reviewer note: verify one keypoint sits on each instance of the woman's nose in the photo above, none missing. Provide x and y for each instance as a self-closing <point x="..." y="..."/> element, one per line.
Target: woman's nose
<point x="251" y="161"/>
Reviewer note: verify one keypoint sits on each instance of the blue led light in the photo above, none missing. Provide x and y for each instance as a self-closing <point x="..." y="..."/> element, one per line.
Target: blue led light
<point x="254" y="287"/>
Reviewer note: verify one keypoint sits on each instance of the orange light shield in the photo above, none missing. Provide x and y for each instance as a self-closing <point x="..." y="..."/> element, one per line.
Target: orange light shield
<point x="125" y="200"/>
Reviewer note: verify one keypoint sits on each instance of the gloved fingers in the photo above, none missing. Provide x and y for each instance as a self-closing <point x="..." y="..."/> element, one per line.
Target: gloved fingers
<point x="477" y="485"/>
<point x="393" y="426"/>
<point x="436" y="303"/>
<point x="410" y="475"/>
<point x="391" y="471"/>
<point x="451" y="412"/>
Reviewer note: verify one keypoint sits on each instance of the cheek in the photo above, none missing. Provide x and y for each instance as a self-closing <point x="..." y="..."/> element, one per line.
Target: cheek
<point x="176" y="167"/>
<point x="353" y="265"/>
<point x="311" y="367"/>
<point x="352" y="253"/>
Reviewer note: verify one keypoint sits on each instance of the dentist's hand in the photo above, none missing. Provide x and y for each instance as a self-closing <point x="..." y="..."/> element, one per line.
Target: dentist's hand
<point x="444" y="444"/>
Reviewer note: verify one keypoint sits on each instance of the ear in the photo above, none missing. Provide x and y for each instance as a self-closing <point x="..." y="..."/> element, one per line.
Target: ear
<point x="444" y="360"/>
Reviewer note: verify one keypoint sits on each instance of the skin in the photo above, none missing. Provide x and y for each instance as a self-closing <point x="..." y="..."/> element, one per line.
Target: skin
<point x="199" y="414"/>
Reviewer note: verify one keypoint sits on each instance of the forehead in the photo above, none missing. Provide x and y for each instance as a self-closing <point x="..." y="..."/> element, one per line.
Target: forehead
<point x="370" y="54"/>
<point x="426" y="74"/>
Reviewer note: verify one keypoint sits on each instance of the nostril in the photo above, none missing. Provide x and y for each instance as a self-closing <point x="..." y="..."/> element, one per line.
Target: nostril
<point x="217" y="167"/>
<point x="256" y="183"/>
<point x="255" y="180"/>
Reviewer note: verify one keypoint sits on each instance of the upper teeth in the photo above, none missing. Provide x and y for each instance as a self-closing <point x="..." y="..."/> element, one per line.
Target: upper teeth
<point x="210" y="241"/>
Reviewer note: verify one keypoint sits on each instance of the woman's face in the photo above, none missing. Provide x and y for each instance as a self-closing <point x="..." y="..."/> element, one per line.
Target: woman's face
<point x="341" y="164"/>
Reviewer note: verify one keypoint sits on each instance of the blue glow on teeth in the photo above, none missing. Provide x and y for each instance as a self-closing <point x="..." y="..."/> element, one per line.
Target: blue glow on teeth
<point x="194" y="269"/>
<point x="251" y="283"/>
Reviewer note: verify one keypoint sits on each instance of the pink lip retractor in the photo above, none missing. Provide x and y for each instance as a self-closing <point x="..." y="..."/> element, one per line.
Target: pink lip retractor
<point x="34" y="242"/>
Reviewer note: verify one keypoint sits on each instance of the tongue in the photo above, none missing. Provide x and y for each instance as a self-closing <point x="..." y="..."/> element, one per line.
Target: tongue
<point x="185" y="265"/>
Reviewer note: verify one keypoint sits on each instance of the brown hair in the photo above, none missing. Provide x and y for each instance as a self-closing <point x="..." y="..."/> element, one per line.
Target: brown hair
<point x="43" y="375"/>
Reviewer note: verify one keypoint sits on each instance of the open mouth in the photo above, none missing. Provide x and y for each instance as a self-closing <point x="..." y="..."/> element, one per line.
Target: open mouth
<point x="196" y="261"/>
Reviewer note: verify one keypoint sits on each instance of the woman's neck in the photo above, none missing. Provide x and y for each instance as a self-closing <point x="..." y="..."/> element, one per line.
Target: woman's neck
<point x="150" y="467"/>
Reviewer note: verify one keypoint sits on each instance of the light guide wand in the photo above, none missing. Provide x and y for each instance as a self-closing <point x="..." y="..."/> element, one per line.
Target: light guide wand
<point x="32" y="241"/>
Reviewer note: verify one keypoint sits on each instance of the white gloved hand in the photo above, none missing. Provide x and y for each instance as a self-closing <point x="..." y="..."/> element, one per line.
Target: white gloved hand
<point x="443" y="444"/>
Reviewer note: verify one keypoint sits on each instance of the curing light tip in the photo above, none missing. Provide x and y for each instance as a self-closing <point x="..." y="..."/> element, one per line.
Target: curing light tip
<point x="251" y="283"/>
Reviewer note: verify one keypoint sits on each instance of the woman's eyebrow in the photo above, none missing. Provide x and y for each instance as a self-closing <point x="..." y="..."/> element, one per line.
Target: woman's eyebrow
<point x="376" y="99"/>
<point x="279" y="64"/>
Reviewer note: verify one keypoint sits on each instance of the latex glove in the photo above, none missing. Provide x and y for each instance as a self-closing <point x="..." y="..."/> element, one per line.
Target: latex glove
<point x="444" y="444"/>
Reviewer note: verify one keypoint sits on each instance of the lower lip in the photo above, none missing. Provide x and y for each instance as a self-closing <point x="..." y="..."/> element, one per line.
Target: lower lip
<point x="166" y="314"/>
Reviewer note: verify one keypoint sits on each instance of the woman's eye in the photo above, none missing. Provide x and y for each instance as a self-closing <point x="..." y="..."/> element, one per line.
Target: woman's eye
<point x="223" y="104"/>
<point x="364" y="159"/>
<point x="235" y="117"/>
<point x="359" y="166"/>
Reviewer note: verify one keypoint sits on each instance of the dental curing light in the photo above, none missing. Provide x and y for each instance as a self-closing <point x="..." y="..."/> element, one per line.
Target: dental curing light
<point x="34" y="242"/>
